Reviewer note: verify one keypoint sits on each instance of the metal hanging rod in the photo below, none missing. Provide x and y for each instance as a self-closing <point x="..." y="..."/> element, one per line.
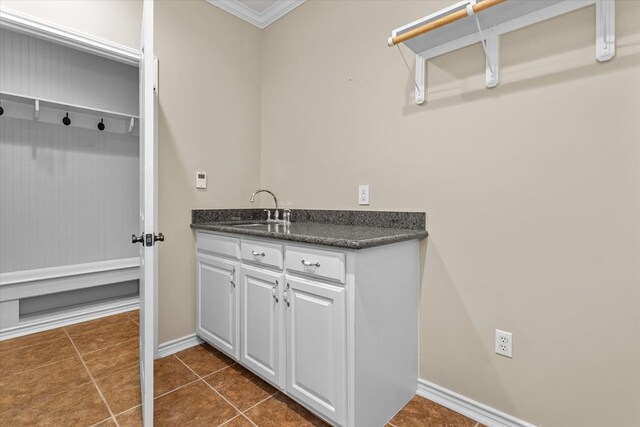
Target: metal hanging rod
<point x="445" y="20"/>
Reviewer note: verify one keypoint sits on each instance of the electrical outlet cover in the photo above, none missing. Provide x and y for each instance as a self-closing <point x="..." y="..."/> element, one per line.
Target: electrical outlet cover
<point x="504" y="343"/>
<point x="363" y="195"/>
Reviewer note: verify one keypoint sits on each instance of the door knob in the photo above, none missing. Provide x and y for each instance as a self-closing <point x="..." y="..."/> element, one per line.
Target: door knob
<point x="158" y="237"/>
<point x="135" y="239"/>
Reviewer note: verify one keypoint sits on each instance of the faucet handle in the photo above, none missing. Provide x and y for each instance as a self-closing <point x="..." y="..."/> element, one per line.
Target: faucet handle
<point x="268" y="214"/>
<point x="287" y="216"/>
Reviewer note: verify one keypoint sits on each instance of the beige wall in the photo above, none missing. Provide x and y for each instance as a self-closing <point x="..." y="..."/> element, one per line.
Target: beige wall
<point x="532" y="191"/>
<point x="209" y="119"/>
<point x="114" y="20"/>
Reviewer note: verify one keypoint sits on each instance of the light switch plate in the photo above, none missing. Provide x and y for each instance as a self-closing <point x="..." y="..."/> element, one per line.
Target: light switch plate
<point x="363" y="195"/>
<point x="201" y="180"/>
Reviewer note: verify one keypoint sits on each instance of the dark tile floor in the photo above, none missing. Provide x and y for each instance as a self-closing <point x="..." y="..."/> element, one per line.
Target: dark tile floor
<point x="87" y="375"/>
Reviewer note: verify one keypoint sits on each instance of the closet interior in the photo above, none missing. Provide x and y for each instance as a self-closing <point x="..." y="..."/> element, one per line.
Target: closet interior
<point x="69" y="185"/>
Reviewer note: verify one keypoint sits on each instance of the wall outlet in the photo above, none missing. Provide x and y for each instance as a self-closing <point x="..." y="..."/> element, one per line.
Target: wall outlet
<point x="504" y="343"/>
<point x="363" y="195"/>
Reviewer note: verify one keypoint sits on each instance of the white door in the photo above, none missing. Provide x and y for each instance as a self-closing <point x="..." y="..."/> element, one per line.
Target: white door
<point x="218" y="303"/>
<point x="261" y="308"/>
<point x="316" y="346"/>
<point x="148" y="213"/>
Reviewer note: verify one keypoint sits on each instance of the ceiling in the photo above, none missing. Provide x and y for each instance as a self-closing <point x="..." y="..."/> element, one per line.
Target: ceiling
<point x="258" y="12"/>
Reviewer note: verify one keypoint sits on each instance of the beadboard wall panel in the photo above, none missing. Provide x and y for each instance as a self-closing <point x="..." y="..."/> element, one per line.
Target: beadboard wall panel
<point x="67" y="195"/>
<point x="37" y="68"/>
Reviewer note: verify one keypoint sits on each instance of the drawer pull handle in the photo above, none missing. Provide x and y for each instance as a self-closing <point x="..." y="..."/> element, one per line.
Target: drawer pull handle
<point x="273" y="291"/>
<point x="233" y="273"/>
<point x="310" y="264"/>
<point x="254" y="253"/>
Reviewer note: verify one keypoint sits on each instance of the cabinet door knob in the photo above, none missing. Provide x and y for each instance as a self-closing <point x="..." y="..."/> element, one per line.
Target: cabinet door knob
<point x="254" y="253"/>
<point x="231" y="276"/>
<point x="273" y="291"/>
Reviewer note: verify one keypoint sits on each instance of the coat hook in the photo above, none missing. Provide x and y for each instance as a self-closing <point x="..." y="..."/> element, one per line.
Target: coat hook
<point x="66" y="120"/>
<point x="101" y="125"/>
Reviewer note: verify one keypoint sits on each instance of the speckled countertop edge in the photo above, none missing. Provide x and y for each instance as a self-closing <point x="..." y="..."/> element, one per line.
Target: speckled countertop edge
<point x="381" y="219"/>
<point x="353" y="221"/>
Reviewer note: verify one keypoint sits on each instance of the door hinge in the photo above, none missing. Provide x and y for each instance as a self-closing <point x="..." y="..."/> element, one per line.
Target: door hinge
<point x="156" y="75"/>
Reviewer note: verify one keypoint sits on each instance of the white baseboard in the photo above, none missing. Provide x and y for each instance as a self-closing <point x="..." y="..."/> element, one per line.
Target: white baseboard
<point x="470" y="408"/>
<point x="70" y="317"/>
<point x="174" y="346"/>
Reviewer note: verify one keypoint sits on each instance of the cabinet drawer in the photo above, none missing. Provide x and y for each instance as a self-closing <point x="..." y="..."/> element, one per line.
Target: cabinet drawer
<point x="222" y="245"/>
<point x="315" y="262"/>
<point x="263" y="253"/>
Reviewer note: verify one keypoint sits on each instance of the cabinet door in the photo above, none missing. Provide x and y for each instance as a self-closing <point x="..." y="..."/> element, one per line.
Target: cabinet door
<point x="261" y="326"/>
<point x="217" y="299"/>
<point x="316" y="346"/>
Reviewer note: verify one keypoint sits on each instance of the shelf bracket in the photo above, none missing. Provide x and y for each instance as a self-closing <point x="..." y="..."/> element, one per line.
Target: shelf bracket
<point x="131" y="124"/>
<point x="493" y="54"/>
<point x="421" y="71"/>
<point x="36" y="109"/>
<point x="605" y="30"/>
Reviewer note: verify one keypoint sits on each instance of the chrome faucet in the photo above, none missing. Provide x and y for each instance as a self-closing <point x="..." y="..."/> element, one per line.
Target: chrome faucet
<point x="276" y="216"/>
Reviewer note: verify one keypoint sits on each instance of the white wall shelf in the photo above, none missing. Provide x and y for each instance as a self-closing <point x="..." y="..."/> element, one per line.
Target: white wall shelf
<point x="49" y="111"/>
<point x="487" y="26"/>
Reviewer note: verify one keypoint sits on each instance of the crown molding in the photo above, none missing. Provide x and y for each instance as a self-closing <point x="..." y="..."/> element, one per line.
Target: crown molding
<point x="260" y="20"/>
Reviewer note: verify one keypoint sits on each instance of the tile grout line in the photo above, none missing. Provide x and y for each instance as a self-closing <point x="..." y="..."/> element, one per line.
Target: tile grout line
<point x="38" y="367"/>
<point x="249" y="419"/>
<point x="109" y="346"/>
<point x="117" y="369"/>
<point x="175" y="389"/>
<point x="198" y="375"/>
<point x="33" y="401"/>
<point x="228" y="421"/>
<point x="214" y="390"/>
<point x="129" y="410"/>
<point x="97" y="321"/>
<point x="28" y="346"/>
<point x="262" y="401"/>
<point x="95" y="384"/>
<point x="93" y="331"/>
<point x="100" y="422"/>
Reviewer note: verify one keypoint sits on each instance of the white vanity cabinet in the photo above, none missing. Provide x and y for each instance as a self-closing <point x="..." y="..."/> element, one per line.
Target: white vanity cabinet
<point x="316" y="346"/>
<point x="335" y="329"/>
<point x="218" y="302"/>
<point x="261" y="323"/>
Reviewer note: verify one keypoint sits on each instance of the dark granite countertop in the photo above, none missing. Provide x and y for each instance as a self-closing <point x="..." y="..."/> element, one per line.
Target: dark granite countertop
<point x="344" y="229"/>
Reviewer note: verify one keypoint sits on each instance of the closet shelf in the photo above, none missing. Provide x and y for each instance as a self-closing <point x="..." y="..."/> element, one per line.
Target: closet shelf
<point x="47" y="103"/>
<point x="468" y="22"/>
